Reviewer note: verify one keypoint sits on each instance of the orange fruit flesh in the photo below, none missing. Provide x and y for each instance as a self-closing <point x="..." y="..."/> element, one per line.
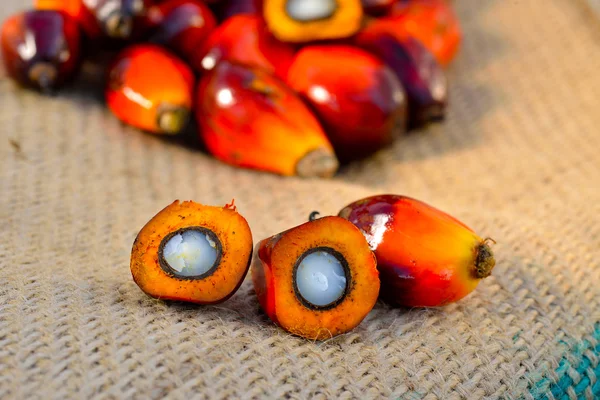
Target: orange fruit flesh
<point x="273" y="275"/>
<point x="235" y="239"/>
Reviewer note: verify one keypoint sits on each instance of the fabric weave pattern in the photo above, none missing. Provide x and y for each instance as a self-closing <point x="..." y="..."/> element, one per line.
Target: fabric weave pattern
<point x="518" y="159"/>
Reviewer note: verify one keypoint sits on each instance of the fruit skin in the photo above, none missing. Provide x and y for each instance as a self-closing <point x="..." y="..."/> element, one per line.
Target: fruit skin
<point x="151" y="89"/>
<point x="431" y="22"/>
<point x="272" y="271"/>
<point x="378" y="7"/>
<point x="345" y="22"/>
<point x="115" y="19"/>
<point x="181" y="25"/>
<point x="362" y="106"/>
<point x="425" y="257"/>
<point x="236" y="7"/>
<point x="41" y="49"/>
<point x="75" y="9"/>
<point x="251" y="119"/>
<point x="422" y="77"/>
<point x="244" y="39"/>
<point x="228" y="225"/>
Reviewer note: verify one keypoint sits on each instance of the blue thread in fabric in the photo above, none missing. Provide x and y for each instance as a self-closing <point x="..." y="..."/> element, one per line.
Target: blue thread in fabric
<point x="582" y="364"/>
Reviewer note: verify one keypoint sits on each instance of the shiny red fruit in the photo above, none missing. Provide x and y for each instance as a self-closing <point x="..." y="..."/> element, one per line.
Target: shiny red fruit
<point x="359" y="100"/>
<point x="422" y="77"/>
<point x="41" y="49"/>
<point x="251" y="119"/>
<point x="244" y="39"/>
<point x="181" y="25"/>
<point x="425" y="257"/>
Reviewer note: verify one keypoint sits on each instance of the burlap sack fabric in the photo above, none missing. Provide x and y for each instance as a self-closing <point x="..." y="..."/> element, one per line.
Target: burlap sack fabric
<point x="517" y="159"/>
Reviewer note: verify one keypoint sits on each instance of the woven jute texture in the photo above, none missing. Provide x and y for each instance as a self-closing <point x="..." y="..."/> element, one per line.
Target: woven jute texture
<point x="518" y="159"/>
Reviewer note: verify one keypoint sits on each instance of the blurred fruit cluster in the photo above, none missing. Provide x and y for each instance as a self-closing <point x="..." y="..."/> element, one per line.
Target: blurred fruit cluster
<point x="293" y="87"/>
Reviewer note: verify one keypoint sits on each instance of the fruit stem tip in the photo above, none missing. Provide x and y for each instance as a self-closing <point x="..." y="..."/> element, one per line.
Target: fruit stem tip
<point x="485" y="261"/>
<point x="320" y="163"/>
<point x="173" y="120"/>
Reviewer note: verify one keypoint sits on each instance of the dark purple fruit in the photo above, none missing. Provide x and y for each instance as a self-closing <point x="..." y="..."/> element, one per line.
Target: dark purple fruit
<point x="377" y="7"/>
<point x="235" y="7"/>
<point x="421" y="75"/>
<point x="119" y="19"/>
<point x="41" y="49"/>
<point x="181" y="25"/>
